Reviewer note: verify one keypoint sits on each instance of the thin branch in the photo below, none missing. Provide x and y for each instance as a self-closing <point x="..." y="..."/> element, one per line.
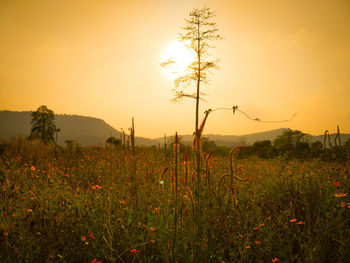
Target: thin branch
<point x="235" y="108"/>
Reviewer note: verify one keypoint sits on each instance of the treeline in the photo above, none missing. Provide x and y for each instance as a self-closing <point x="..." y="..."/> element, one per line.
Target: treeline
<point x="290" y="144"/>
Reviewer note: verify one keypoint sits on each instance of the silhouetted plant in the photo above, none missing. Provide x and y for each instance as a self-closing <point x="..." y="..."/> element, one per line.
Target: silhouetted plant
<point x="200" y="31"/>
<point x="113" y="141"/>
<point x="43" y="125"/>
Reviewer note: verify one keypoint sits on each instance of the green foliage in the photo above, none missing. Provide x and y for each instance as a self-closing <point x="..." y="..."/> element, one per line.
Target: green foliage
<point x="208" y="145"/>
<point x="113" y="141"/>
<point x="43" y="125"/>
<point x="73" y="147"/>
<point x="287" y="141"/>
<point x="316" y="148"/>
<point x="263" y="149"/>
<point x="347" y="144"/>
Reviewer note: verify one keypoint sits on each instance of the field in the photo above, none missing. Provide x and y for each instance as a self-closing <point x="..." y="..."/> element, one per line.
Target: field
<point x="97" y="203"/>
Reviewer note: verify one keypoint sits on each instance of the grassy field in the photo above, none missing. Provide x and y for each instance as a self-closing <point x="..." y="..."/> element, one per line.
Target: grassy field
<point x="93" y="204"/>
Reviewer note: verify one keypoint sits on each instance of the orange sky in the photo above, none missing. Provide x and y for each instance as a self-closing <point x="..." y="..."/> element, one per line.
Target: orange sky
<point x="101" y="59"/>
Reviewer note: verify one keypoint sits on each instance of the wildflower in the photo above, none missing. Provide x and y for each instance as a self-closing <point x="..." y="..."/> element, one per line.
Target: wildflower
<point x="122" y="202"/>
<point x="134" y="251"/>
<point x="6" y="234"/>
<point x="89" y="236"/>
<point x="343" y="204"/>
<point x="292" y="220"/>
<point x="340" y="195"/>
<point x="156" y="210"/>
<point x="32" y="168"/>
<point x="275" y="260"/>
<point x="247" y="247"/>
<point x="153" y="229"/>
<point x="95" y="261"/>
<point x="240" y="147"/>
<point x="66" y="175"/>
<point x="336" y="183"/>
<point x="301" y="223"/>
<point x="14" y="214"/>
<point x="257" y="242"/>
<point x="30" y="210"/>
<point x="96" y="187"/>
<point x="258" y="228"/>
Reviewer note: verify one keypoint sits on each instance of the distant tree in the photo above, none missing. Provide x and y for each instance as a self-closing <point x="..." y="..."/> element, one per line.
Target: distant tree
<point x="285" y="143"/>
<point x="316" y="148"/>
<point x="302" y="149"/>
<point x="262" y="144"/>
<point x="347" y="144"/>
<point x="113" y="141"/>
<point x="208" y="145"/>
<point x="43" y="125"/>
<point x="183" y="147"/>
<point x="263" y="149"/>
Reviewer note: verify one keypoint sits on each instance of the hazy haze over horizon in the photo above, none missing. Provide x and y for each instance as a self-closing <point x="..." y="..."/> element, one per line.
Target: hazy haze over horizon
<point x="101" y="59"/>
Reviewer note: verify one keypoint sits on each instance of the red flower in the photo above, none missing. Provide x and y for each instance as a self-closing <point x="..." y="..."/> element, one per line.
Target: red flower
<point x="301" y="223"/>
<point x="95" y="261"/>
<point x="134" y="251"/>
<point x="240" y="147"/>
<point x="336" y="183"/>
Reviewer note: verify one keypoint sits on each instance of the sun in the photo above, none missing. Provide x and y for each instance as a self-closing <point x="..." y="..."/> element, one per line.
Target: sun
<point x="180" y="56"/>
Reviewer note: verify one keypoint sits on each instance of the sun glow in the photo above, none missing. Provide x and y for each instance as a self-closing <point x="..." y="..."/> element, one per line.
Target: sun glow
<point x="179" y="58"/>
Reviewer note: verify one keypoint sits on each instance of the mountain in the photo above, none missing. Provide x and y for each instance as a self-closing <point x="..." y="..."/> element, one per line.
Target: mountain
<point x="92" y="131"/>
<point x="249" y="139"/>
<point x="85" y="130"/>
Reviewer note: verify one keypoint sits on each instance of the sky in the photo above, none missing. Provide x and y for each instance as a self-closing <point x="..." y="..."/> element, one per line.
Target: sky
<point x="101" y="59"/>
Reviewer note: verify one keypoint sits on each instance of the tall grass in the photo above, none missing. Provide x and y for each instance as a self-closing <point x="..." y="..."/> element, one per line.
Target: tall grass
<point x="62" y="206"/>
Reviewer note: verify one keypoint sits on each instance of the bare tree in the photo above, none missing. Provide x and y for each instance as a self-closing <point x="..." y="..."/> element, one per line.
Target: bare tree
<point x="199" y="32"/>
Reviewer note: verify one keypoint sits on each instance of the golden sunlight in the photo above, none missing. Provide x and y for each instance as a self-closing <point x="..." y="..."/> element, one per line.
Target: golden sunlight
<point x="179" y="58"/>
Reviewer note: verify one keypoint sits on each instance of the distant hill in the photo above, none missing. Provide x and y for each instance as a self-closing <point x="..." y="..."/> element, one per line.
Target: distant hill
<point x="249" y="139"/>
<point x="92" y="131"/>
<point x="85" y="130"/>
